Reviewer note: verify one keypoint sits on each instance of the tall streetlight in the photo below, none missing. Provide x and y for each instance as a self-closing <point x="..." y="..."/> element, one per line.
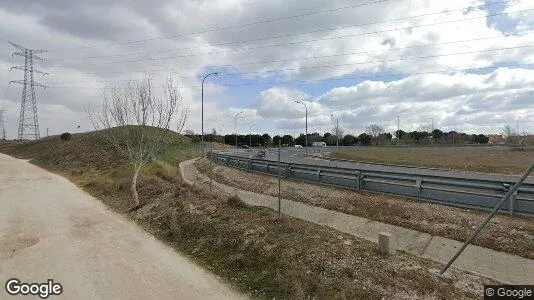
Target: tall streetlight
<point x="214" y="73"/>
<point x="398" y="130"/>
<point x="517" y="129"/>
<point x="306" y="124"/>
<point x="250" y="135"/>
<point x="235" y="126"/>
<point x="337" y="129"/>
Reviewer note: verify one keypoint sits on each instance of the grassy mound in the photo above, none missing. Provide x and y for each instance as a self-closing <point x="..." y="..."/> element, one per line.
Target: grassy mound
<point x="82" y="150"/>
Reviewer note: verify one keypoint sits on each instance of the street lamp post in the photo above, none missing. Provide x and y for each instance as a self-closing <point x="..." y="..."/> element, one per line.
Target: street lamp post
<point x="517" y="129"/>
<point x="250" y="136"/>
<point x="306" y="124"/>
<point x="202" y="95"/>
<point x="337" y="130"/>
<point x="235" y="126"/>
<point x="398" y="130"/>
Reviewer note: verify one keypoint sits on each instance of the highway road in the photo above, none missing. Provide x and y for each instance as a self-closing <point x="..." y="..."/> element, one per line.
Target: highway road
<point x="297" y="155"/>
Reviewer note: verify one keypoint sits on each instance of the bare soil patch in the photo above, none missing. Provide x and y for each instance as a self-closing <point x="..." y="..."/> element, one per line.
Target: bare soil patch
<point x="503" y="160"/>
<point x="511" y="234"/>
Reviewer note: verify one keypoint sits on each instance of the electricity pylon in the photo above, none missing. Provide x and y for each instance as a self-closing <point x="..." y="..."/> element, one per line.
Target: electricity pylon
<point x="28" y="122"/>
<point x="2" y="126"/>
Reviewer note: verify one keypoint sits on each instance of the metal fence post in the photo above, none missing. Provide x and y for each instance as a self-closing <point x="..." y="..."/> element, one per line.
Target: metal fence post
<point x="418" y="185"/>
<point x="488" y="218"/>
<point x="358" y="180"/>
<point x="287" y="171"/>
<point x="279" y="179"/>
<point x="211" y="165"/>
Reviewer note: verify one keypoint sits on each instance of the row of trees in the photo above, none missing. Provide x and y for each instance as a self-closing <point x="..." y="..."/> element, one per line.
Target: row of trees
<point x="374" y="135"/>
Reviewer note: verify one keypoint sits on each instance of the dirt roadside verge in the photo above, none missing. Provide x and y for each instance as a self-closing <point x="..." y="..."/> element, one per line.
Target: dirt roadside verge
<point x="514" y="235"/>
<point x="504" y="160"/>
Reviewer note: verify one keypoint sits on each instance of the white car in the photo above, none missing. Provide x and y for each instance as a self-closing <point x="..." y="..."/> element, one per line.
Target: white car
<point x="298" y="146"/>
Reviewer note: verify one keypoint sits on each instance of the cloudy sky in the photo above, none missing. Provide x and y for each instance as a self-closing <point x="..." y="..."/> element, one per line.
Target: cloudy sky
<point x="465" y="65"/>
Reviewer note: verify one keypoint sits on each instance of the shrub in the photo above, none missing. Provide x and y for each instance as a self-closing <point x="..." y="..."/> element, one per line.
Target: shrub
<point x="235" y="201"/>
<point x="65" y="136"/>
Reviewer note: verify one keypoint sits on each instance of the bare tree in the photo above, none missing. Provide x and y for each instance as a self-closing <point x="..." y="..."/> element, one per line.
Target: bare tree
<point x="509" y="134"/>
<point x="338" y="132"/>
<point x="374" y="130"/>
<point x="136" y="122"/>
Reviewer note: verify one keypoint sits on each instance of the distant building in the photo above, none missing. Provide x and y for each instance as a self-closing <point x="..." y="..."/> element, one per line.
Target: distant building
<point x="496" y="139"/>
<point x="499" y="139"/>
<point x="529" y="139"/>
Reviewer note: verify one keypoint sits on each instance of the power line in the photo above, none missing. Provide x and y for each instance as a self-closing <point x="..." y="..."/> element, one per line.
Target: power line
<point x="227" y="27"/>
<point x="319" y="56"/>
<point x="352" y="64"/>
<point x="280" y="44"/>
<point x="360" y="77"/>
<point x="292" y="34"/>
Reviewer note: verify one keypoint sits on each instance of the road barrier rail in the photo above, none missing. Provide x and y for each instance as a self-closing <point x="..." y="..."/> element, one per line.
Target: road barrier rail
<point x="453" y="191"/>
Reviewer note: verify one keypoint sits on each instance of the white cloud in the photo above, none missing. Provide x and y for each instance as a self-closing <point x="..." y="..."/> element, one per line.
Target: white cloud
<point x="380" y="47"/>
<point x="525" y="20"/>
<point x="279" y="103"/>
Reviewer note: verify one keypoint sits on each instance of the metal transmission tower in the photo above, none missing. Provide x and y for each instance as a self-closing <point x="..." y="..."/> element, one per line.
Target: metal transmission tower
<point x="28" y="122"/>
<point x="2" y="126"/>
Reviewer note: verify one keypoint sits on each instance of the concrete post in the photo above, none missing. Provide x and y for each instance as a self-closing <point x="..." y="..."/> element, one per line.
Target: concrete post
<point x="386" y="243"/>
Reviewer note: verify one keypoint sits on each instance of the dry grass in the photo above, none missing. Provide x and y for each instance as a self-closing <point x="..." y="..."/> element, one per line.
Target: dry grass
<point x="293" y="259"/>
<point x="248" y="246"/>
<point x="513" y="235"/>
<point x="482" y="159"/>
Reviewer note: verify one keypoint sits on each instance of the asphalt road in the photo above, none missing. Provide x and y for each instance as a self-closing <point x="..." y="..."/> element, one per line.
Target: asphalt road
<point x="297" y="155"/>
<point x="50" y="229"/>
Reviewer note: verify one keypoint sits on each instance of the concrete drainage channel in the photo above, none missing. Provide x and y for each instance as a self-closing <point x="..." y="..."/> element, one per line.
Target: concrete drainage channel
<point x="436" y="187"/>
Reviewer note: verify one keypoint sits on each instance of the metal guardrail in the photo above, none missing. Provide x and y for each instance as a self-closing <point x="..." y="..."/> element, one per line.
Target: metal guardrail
<point x="454" y="191"/>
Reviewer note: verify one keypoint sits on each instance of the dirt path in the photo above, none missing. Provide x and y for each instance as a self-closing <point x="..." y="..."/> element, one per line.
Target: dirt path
<point x="51" y="229"/>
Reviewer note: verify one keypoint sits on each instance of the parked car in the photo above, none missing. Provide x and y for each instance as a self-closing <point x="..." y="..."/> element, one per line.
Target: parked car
<point x="298" y="146"/>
